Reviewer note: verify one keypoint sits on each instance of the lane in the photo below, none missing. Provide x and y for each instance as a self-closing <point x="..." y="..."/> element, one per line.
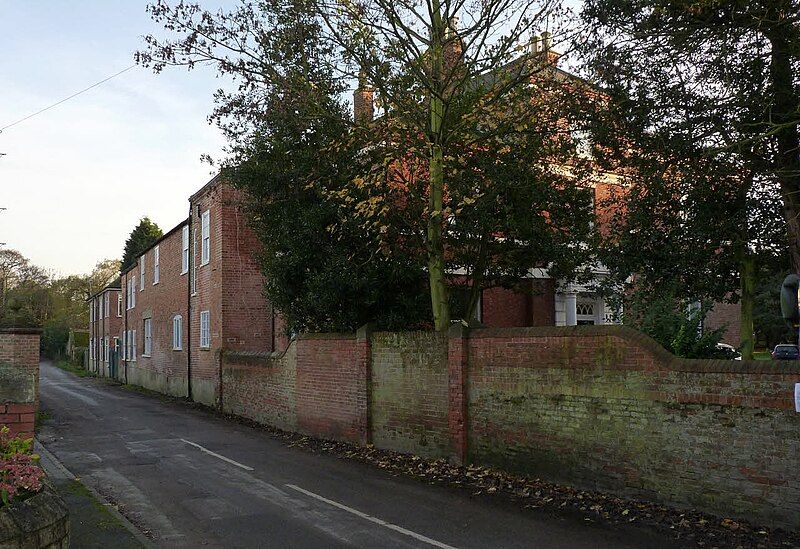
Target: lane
<point x="187" y="478"/>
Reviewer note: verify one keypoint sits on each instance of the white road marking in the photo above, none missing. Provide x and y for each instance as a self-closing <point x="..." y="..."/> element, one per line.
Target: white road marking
<point x="216" y="455"/>
<point x="390" y="526"/>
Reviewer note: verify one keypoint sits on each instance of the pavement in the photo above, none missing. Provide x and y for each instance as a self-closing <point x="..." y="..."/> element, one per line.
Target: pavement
<point x="185" y="477"/>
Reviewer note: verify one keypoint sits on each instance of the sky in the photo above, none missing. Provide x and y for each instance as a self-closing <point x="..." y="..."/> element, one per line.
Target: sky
<point x="76" y="179"/>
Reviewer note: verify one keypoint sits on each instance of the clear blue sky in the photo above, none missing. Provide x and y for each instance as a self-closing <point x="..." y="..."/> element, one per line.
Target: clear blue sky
<point x="77" y="178"/>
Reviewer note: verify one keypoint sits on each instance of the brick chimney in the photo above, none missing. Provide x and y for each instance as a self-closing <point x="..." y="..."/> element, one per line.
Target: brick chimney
<point x="453" y="47"/>
<point x="363" y="101"/>
<point x="546" y="48"/>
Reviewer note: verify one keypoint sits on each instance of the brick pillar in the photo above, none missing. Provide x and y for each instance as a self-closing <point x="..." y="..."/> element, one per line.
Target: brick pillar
<point x="457" y="394"/>
<point x="364" y="358"/>
<point x="19" y="379"/>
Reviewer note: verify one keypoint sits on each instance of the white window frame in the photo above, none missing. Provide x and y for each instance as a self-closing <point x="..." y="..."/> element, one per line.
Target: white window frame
<point x="106" y="349"/>
<point x="156" y="265"/>
<point x="107" y="299"/>
<point x="119" y="305"/>
<point x="205" y="238"/>
<point x="91" y="348"/>
<point x="148" y="337"/>
<point x="142" y="268"/>
<point x="205" y="330"/>
<point x="177" y="333"/>
<point x="193" y="276"/>
<point x="91" y="311"/>
<point x="185" y="249"/>
<point x="133" y="345"/>
<point x="100" y="307"/>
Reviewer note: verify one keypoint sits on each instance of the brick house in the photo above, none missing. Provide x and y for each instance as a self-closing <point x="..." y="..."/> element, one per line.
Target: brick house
<point x="105" y="319"/>
<point x="194" y="294"/>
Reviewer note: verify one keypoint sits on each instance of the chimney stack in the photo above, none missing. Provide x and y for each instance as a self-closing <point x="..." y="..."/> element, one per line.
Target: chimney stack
<point x="363" y="100"/>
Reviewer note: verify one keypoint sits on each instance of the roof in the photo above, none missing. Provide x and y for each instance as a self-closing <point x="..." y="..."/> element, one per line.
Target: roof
<point x="115" y="284"/>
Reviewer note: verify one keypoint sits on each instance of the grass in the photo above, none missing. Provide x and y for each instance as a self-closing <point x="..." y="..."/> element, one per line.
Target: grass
<point x="762" y="355"/>
<point x="73" y="368"/>
<point x="41" y="417"/>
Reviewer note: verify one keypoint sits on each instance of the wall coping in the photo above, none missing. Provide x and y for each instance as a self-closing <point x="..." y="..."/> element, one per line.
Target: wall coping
<point x="665" y="359"/>
<point x="21" y="331"/>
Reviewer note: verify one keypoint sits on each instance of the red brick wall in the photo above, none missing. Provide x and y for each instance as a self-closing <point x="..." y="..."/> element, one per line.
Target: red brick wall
<point x="246" y="314"/>
<point x="409" y="390"/>
<point x="262" y="386"/>
<point x="331" y="387"/>
<point x="19" y="379"/>
<point x="165" y="369"/>
<point x="598" y="407"/>
<point x="505" y="308"/>
<point x="726" y="315"/>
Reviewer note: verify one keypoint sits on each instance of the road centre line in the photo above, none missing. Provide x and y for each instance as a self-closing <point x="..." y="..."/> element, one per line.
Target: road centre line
<point x="218" y="456"/>
<point x="390" y="526"/>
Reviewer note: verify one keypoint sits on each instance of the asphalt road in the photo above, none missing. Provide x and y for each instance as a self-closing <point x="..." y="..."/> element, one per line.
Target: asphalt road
<point x="187" y="478"/>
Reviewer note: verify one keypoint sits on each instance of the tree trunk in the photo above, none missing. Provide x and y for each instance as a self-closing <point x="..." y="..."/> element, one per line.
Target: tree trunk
<point x="440" y="305"/>
<point x="748" y="289"/>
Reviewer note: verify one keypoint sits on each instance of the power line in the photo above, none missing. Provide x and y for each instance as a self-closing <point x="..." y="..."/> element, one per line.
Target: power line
<point x="66" y="99"/>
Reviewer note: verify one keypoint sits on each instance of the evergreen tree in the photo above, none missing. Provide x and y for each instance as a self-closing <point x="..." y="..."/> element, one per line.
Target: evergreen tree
<point x="142" y="237"/>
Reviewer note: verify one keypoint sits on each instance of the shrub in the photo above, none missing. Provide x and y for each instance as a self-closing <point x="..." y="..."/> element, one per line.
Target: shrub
<point x="19" y="474"/>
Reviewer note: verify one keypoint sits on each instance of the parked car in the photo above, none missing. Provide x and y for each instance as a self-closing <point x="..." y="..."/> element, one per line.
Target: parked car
<point x="729" y="351"/>
<point x="785" y="351"/>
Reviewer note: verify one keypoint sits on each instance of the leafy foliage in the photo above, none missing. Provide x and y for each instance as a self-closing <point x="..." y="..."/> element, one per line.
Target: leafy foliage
<point x="141" y="238"/>
<point x="463" y="172"/>
<point x="675" y="325"/>
<point x="19" y="474"/>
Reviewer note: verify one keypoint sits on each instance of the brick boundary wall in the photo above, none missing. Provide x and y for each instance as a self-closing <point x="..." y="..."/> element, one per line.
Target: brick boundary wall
<point x="40" y="521"/>
<point x="19" y="379"/>
<point x="596" y="407"/>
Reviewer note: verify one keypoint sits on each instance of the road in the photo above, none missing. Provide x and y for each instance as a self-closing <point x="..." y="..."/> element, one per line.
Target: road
<point x="188" y="478"/>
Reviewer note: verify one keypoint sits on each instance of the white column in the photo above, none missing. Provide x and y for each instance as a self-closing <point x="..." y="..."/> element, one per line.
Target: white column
<point x="571" y="307"/>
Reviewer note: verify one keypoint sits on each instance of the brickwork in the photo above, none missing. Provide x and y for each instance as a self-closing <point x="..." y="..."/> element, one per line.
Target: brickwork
<point x="728" y="316"/>
<point x="19" y="379"/>
<point x="110" y="326"/>
<point x="164" y="368"/>
<point x="409" y="393"/>
<point x="331" y="400"/>
<point x="262" y="387"/>
<point x="599" y="407"/>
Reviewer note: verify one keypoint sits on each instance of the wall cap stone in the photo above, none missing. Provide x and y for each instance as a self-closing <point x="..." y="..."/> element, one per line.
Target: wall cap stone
<point x="21" y="331"/>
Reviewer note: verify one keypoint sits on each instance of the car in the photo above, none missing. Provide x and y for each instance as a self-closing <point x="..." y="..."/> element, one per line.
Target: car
<point x="785" y="351"/>
<point x="729" y="351"/>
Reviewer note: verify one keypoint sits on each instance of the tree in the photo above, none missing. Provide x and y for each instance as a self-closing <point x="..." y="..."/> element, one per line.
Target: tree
<point x="439" y="178"/>
<point x="141" y="238"/>
<point x="705" y="93"/>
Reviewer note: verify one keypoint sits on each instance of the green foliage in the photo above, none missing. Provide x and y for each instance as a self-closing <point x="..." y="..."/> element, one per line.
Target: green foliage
<point x="463" y="172"/>
<point x="770" y="326"/>
<point x="55" y="335"/>
<point x="677" y="327"/>
<point x="143" y="236"/>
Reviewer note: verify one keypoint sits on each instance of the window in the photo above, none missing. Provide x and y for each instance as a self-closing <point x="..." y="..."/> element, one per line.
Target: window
<point x="91" y="311"/>
<point x="148" y="337"/>
<point x="100" y="306"/>
<point x="156" y="263"/>
<point x="205" y="330"/>
<point x="133" y="345"/>
<point x="91" y="348"/>
<point x="105" y="345"/>
<point x="177" y="333"/>
<point x="141" y="273"/>
<point x="185" y="250"/>
<point x="131" y="293"/>
<point x="107" y="299"/>
<point x="193" y="276"/>
<point x="205" y="236"/>
<point x="583" y="143"/>
<point x="119" y="304"/>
